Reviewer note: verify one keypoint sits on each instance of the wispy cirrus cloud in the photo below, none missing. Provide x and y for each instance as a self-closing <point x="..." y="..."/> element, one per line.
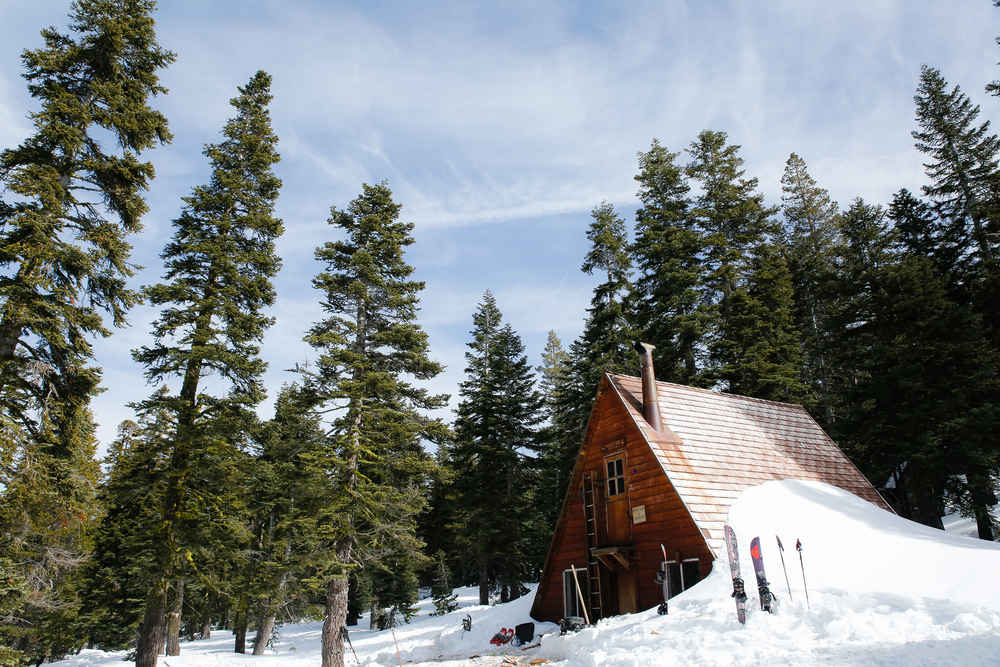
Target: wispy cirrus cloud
<point x="500" y="125"/>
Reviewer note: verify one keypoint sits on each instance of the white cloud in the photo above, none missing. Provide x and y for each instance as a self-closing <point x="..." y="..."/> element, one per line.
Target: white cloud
<point x="500" y="125"/>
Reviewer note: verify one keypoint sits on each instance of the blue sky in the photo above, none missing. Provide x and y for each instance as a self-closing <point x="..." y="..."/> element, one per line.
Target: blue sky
<point x="500" y="126"/>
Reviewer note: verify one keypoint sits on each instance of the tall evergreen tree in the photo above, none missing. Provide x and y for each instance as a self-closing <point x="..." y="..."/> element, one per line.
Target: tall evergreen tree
<point x="63" y="238"/>
<point x="605" y="344"/>
<point x="610" y="334"/>
<point x="557" y="440"/>
<point x="289" y="487"/>
<point x="734" y="223"/>
<point x="494" y="475"/>
<point x="65" y="257"/>
<point x="131" y="496"/>
<point x="759" y="352"/>
<point x="811" y="230"/>
<point x="964" y="173"/>
<point x="219" y="262"/>
<point x="670" y="313"/>
<point x="958" y="230"/>
<point x="370" y="345"/>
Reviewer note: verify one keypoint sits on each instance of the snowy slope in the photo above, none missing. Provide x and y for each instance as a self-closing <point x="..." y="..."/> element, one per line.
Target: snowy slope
<point x="882" y="590"/>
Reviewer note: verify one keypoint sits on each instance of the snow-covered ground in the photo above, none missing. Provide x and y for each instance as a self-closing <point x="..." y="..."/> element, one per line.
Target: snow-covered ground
<point x="882" y="591"/>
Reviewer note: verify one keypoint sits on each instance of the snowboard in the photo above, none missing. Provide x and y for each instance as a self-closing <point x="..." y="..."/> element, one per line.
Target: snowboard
<point x="767" y="599"/>
<point x="663" y="578"/>
<point x="739" y="593"/>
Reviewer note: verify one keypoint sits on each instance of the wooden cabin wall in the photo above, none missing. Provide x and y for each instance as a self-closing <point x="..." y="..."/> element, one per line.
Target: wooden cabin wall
<point x="667" y="521"/>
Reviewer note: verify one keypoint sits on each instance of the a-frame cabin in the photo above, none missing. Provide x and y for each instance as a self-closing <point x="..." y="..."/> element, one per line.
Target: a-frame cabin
<point x="661" y="464"/>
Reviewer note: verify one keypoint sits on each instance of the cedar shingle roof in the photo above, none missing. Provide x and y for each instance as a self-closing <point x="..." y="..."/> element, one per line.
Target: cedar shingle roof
<point x="716" y="445"/>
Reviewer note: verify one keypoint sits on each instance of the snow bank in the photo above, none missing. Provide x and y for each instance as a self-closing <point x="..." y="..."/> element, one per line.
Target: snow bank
<point x="882" y="591"/>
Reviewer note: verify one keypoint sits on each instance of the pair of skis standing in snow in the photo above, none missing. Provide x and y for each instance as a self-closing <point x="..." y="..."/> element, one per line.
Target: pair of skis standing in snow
<point x="767" y="598"/>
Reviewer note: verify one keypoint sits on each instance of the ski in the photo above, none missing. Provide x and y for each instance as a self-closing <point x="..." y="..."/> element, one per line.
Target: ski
<point x="739" y="593"/>
<point x="767" y="599"/>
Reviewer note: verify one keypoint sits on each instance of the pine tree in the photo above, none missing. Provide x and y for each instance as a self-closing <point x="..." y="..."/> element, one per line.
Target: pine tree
<point x="733" y="222"/>
<point x="131" y="495"/>
<point x="609" y="335"/>
<point x="557" y="440"/>
<point x="923" y="234"/>
<point x="370" y="345"/>
<point x="219" y="262"/>
<point x="493" y="471"/>
<point x="66" y="261"/>
<point x="47" y="522"/>
<point x="288" y="492"/>
<point x="63" y="239"/>
<point x="605" y="345"/>
<point x="668" y="253"/>
<point x="759" y="350"/>
<point x="959" y="232"/>
<point x="811" y="229"/>
<point x="964" y="173"/>
<point x="445" y="600"/>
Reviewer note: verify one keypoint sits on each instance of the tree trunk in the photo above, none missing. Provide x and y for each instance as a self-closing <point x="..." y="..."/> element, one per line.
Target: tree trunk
<point x="174" y="620"/>
<point x="373" y="619"/>
<point x="265" y="625"/>
<point x="206" y="617"/>
<point x="484" y="583"/>
<point x="240" y="630"/>
<point x="333" y="626"/>
<point x="153" y="629"/>
<point x="982" y="499"/>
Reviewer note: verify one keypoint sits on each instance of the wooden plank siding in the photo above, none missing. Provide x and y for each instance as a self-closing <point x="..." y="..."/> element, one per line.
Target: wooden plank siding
<point x="667" y="520"/>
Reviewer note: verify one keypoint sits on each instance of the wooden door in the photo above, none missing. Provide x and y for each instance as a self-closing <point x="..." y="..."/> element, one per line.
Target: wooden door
<point x="618" y="514"/>
<point x="628" y="591"/>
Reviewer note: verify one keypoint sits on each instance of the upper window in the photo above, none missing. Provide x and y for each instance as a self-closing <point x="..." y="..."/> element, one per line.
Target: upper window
<point x="616" y="477"/>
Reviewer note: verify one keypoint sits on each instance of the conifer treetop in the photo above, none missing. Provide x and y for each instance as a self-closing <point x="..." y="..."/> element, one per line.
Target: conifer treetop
<point x="222" y="257"/>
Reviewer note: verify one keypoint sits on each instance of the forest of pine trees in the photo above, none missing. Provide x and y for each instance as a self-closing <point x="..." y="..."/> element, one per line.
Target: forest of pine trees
<point x="878" y="317"/>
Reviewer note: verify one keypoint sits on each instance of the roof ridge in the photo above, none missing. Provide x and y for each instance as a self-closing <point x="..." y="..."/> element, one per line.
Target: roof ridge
<point x="708" y="391"/>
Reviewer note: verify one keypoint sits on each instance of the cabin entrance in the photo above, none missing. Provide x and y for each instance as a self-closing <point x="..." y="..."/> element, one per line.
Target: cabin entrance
<point x="623" y="576"/>
<point x="618" y="514"/>
<point x="627" y="587"/>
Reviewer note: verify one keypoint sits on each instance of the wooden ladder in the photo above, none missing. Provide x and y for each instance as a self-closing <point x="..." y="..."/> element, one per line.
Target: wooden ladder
<point x="593" y="564"/>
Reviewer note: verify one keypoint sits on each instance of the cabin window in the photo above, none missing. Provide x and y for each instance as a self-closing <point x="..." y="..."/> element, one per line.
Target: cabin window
<point x="571" y="596"/>
<point x="616" y="477"/>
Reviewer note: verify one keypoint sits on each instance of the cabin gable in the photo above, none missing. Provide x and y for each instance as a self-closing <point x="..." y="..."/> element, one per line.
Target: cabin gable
<point x="616" y="538"/>
<point x="636" y="487"/>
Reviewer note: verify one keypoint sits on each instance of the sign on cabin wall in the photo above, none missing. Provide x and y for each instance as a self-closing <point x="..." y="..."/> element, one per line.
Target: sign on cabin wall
<point x="639" y="514"/>
<point x="613" y="446"/>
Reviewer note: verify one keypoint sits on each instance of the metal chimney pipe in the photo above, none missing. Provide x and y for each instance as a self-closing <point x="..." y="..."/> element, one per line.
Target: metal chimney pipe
<point x="650" y="402"/>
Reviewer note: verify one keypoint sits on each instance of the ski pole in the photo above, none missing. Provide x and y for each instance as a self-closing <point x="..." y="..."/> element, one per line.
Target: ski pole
<point x="798" y="547"/>
<point x="348" y="638"/>
<point x="781" y="552"/>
